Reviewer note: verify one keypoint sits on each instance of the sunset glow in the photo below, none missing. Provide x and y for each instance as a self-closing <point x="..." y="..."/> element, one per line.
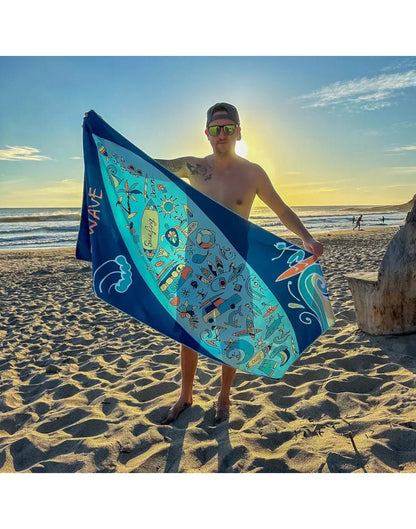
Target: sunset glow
<point x="327" y="130"/>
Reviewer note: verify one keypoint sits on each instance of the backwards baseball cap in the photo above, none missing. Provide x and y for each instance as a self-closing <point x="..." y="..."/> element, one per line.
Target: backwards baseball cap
<point x="228" y="111"/>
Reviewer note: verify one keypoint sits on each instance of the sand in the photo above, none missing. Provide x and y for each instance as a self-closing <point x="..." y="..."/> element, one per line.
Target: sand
<point x="84" y="386"/>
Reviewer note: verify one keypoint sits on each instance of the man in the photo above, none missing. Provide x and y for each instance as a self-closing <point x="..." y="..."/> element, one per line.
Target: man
<point x="358" y="223"/>
<point x="234" y="182"/>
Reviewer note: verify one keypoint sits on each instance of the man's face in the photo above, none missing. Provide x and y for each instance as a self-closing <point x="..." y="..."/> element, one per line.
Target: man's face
<point x="223" y="142"/>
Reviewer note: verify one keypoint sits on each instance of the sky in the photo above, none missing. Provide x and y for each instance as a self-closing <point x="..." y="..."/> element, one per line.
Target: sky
<point x="328" y="130"/>
<point x="328" y="116"/>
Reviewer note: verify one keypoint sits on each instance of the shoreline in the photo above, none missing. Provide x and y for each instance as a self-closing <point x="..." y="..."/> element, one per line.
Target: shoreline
<point x="84" y="386"/>
<point x="286" y="235"/>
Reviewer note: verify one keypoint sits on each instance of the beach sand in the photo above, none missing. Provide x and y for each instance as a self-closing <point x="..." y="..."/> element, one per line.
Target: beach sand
<point x="84" y="386"/>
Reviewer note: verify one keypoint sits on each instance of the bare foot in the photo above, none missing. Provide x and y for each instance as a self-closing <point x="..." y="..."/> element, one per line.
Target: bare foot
<point x="223" y="411"/>
<point x="175" y="411"/>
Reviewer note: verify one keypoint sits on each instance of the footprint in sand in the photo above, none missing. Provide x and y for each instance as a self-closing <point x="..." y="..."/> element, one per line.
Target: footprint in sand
<point x="109" y="405"/>
<point x="90" y="366"/>
<point x="56" y="466"/>
<point x="390" y="458"/>
<point x="122" y="363"/>
<point x="130" y="453"/>
<point x="250" y="410"/>
<point x="12" y="424"/>
<point x="38" y="379"/>
<point x="86" y="382"/>
<point x="269" y="465"/>
<point x="286" y="416"/>
<point x="244" y="395"/>
<point x="109" y="358"/>
<point x="29" y="393"/>
<point x="92" y="394"/>
<point x="354" y="384"/>
<point x="317" y="411"/>
<point x="165" y="358"/>
<point x="237" y="424"/>
<point x="61" y="422"/>
<point x="25" y="454"/>
<point x="338" y="463"/>
<point x="227" y="460"/>
<point x="109" y="377"/>
<point x="65" y="391"/>
<point x="89" y="428"/>
<point x="280" y="396"/>
<point x="283" y="402"/>
<point x="143" y="382"/>
<point x="100" y="455"/>
<point x="310" y="375"/>
<point x="400" y="440"/>
<point x="274" y="440"/>
<point x="153" y="391"/>
<point x="357" y="363"/>
<point x="139" y="429"/>
<point x="206" y="454"/>
<point x="160" y="375"/>
<point x="40" y="408"/>
<point x="388" y="368"/>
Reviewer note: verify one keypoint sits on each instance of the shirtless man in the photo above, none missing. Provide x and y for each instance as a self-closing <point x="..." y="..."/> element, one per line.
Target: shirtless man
<point x="234" y="182"/>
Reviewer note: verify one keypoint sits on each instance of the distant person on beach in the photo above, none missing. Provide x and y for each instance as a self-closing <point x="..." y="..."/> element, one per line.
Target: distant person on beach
<point x="353" y="219"/>
<point x="382" y="219"/>
<point x="234" y="182"/>
<point x="358" y="223"/>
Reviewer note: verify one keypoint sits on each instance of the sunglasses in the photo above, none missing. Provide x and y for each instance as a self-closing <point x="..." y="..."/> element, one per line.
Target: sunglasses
<point x="214" y="130"/>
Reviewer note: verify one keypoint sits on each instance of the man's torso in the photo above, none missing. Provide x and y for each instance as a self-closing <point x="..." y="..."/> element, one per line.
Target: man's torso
<point x="234" y="187"/>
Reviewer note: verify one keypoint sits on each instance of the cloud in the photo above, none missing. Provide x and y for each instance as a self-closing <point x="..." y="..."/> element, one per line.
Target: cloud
<point x="395" y="186"/>
<point x="402" y="169"/>
<point x="16" y="153"/>
<point x="404" y="62"/>
<point x="361" y="94"/>
<point x="60" y="188"/>
<point x="65" y="192"/>
<point x="75" y="158"/>
<point x="403" y="149"/>
<point x="313" y="186"/>
<point x="12" y="182"/>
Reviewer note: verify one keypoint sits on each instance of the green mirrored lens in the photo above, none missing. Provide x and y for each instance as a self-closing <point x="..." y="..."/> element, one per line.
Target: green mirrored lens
<point x="229" y="129"/>
<point x="214" y="130"/>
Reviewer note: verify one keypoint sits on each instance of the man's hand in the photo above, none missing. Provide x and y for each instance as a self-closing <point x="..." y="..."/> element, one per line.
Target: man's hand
<point x="314" y="247"/>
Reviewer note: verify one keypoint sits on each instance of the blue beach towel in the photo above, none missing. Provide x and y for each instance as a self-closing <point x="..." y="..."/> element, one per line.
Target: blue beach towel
<point x="178" y="261"/>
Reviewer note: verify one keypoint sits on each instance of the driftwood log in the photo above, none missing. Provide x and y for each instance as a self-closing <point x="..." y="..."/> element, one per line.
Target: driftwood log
<point x="385" y="301"/>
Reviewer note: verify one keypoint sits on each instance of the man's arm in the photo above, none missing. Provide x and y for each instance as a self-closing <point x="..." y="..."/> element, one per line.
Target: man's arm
<point x="178" y="166"/>
<point x="267" y="193"/>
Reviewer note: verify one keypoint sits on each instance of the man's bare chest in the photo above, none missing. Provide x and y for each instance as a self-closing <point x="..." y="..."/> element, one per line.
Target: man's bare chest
<point x="235" y="187"/>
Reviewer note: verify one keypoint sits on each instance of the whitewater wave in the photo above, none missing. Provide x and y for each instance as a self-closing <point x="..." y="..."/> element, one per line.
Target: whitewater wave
<point x="41" y="217"/>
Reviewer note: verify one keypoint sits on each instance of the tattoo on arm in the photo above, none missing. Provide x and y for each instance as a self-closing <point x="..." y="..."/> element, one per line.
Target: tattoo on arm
<point x="199" y="170"/>
<point x="173" y="165"/>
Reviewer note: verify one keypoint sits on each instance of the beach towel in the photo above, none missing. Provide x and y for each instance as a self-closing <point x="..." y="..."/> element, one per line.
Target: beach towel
<point x="176" y="260"/>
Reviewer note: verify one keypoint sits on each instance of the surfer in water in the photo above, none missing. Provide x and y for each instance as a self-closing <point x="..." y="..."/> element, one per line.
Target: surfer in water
<point x="234" y="182"/>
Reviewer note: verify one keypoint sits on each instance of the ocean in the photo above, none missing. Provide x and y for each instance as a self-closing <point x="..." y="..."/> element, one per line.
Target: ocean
<point x="31" y="228"/>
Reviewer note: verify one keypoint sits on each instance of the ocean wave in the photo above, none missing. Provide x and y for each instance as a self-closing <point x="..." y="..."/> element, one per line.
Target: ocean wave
<point x="41" y="217"/>
<point x="34" y="229"/>
<point x="23" y="238"/>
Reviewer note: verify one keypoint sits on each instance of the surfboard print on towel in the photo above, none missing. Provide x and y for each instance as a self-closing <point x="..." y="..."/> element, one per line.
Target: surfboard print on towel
<point x="187" y="266"/>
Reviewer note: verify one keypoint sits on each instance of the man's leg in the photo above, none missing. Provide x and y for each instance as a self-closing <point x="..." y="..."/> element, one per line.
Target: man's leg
<point x="223" y="406"/>
<point x="189" y="361"/>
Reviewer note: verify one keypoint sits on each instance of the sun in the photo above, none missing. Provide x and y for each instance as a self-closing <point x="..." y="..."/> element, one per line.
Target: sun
<point x="241" y="148"/>
<point x="168" y="206"/>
